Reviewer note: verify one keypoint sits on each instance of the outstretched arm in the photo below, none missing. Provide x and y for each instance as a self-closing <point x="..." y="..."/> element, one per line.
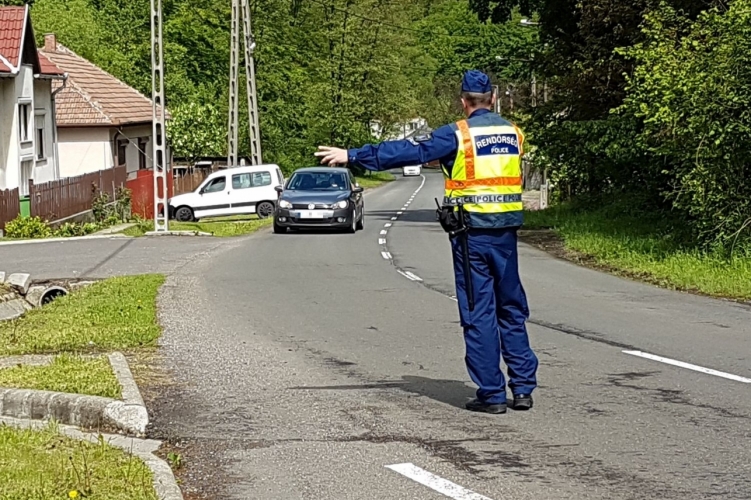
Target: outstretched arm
<point x="393" y="154"/>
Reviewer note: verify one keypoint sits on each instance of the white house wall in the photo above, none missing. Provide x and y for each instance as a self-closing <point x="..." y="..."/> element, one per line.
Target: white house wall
<point x="45" y="168"/>
<point x="25" y="93"/>
<point x="24" y="88"/>
<point x="133" y="133"/>
<point x="84" y="150"/>
<point x="8" y="135"/>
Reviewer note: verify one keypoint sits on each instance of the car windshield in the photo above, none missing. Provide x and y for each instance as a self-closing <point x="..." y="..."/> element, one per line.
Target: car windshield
<point x="319" y="181"/>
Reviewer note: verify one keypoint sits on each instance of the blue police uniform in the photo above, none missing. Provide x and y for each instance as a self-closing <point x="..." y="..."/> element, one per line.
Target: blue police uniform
<point x="496" y="326"/>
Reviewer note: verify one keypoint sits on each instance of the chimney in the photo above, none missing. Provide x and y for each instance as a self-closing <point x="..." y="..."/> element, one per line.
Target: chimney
<point x="50" y="42"/>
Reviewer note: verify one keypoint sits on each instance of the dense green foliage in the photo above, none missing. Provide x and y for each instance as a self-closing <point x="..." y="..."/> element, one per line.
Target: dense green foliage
<point x="648" y="103"/>
<point x="326" y="69"/>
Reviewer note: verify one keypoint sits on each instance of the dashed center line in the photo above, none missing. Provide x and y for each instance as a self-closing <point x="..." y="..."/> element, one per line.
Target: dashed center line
<point x="383" y="242"/>
<point x="436" y="483"/>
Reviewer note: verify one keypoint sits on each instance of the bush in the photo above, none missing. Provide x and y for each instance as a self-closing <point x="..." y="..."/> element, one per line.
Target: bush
<point x="27" y="228"/>
<point x="76" y="229"/>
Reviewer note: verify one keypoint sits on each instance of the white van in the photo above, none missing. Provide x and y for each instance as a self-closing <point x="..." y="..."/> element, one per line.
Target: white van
<point x="411" y="170"/>
<point x="232" y="191"/>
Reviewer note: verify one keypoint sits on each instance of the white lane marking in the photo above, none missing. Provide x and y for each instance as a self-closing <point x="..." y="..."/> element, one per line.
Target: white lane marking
<point x="393" y="218"/>
<point x="689" y="366"/>
<point x="383" y="231"/>
<point x="399" y="213"/>
<point x="381" y="241"/>
<point x="436" y="483"/>
<point x="386" y="255"/>
<point x="388" y="224"/>
<point x="413" y="276"/>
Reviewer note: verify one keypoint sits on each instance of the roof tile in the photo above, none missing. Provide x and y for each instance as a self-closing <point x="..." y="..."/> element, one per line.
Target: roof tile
<point x="93" y="96"/>
<point x="11" y="32"/>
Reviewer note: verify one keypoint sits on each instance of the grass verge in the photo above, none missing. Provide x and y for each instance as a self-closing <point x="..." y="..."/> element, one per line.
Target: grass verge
<point x="217" y="226"/>
<point x="67" y="373"/>
<point x="118" y="313"/>
<point x="642" y="247"/>
<point x="374" y="179"/>
<point x="43" y="464"/>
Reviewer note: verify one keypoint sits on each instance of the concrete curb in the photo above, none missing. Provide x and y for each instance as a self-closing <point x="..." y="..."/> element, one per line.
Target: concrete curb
<point x="57" y="240"/>
<point x="177" y="233"/>
<point x="129" y="415"/>
<point x="165" y="483"/>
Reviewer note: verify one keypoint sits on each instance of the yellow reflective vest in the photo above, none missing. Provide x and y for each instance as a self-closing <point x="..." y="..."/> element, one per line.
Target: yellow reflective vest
<point x="486" y="177"/>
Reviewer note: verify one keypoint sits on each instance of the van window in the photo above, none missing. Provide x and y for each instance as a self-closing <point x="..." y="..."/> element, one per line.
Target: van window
<point x="261" y="179"/>
<point x="241" y="181"/>
<point x="216" y="185"/>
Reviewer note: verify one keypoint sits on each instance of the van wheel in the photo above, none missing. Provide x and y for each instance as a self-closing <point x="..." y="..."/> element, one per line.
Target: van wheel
<point x="184" y="214"/>
<point x="265" y="209"/>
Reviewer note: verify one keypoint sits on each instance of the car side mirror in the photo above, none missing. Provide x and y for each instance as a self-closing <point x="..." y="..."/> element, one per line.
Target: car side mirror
<point x="357" y="189"/>
<point x="279" y="189"/>
<point x="200" y="191"/>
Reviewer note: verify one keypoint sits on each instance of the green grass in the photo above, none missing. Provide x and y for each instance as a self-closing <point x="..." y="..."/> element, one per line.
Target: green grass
<point x="374" y="179"/>
<point x="67" y="373"/>
<point x="217" y="226"/>
<point x="118" y="313"/>
<point x="44" y="465"/>
<point x="647" y="248"/>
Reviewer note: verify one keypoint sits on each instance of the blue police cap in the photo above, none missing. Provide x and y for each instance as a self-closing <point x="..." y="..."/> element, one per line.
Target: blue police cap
<point x="476" y="82"/>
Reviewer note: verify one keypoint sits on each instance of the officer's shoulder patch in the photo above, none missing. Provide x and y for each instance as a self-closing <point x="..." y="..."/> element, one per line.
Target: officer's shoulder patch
<point x="423" y="137"/>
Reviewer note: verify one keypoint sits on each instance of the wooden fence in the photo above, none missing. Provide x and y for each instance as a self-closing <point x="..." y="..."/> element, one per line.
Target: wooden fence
<point x="63" y="198"/>
<point x="189" y="181"/>
<point x="9" y="206"/>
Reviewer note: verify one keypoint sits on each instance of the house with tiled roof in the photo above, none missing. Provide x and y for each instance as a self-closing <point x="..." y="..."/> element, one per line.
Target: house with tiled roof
<point x="101" y="121"/>
<point x="27" y="105"/>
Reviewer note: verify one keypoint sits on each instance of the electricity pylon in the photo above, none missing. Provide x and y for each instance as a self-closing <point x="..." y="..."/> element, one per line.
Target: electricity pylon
<point x="241" y="12"/>
<point x="159" y="157"/>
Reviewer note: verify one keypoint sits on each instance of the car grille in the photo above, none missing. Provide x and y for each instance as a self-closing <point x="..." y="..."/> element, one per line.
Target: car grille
<point x="311" y="222"/>
<point x="304" y="206"/>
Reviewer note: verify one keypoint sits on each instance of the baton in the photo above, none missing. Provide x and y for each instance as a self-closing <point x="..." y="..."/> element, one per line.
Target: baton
<point x="465" y="261"/>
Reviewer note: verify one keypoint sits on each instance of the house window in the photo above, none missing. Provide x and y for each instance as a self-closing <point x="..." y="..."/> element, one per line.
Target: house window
<point x="122" y="149"/>
<point x="27" y="172"/>
<point x="39" y="125"/>
<point x="24" y="119"/>
<point x="142" y="145"/>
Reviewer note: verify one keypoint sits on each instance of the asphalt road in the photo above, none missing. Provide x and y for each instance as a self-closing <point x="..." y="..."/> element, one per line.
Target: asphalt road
<point x="308" y="363"/>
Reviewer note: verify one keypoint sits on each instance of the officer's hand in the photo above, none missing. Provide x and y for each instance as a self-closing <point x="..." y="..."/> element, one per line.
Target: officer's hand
<point x="332" y="156"/>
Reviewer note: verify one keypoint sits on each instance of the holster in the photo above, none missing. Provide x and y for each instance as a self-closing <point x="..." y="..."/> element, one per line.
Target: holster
<point x="451" y="219"/>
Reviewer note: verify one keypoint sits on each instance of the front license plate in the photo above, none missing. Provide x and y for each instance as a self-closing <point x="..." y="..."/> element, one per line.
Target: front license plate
<point x="315" y="214"/>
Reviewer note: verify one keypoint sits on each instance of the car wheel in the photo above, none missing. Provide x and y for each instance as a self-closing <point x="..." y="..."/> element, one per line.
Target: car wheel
<point x="353" y="227"/>
<point x="265" y="209"/>
<point x="361" y="222"/>
<point x="279" y="229"/>
<point x="184" y="214"/>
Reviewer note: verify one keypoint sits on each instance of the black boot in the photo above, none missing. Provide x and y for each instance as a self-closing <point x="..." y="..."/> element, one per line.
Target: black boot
<point x="494" y="408"/>
<point x="523" y="402"/>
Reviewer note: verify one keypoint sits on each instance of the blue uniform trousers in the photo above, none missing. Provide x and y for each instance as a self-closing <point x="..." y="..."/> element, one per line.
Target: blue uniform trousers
<point x="497" y="324"/>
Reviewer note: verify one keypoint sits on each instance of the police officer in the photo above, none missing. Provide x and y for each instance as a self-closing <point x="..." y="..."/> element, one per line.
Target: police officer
<point x="481" y="161"/>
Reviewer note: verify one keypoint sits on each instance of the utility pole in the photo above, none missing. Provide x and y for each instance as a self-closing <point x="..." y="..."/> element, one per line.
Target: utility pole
<point x="159" y="158"/>
<point x="241" y="11"/>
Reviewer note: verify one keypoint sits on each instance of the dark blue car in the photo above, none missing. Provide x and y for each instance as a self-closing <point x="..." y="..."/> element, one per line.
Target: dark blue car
<point x="320" y="197"/>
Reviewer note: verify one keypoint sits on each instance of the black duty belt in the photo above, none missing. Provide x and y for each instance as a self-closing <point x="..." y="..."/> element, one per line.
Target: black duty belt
<point x="483" y="198"/>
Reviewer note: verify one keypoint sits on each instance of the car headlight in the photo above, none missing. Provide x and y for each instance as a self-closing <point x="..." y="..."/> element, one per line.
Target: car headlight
<point x="285" y="204"/>
<point x="342" y="204"/>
